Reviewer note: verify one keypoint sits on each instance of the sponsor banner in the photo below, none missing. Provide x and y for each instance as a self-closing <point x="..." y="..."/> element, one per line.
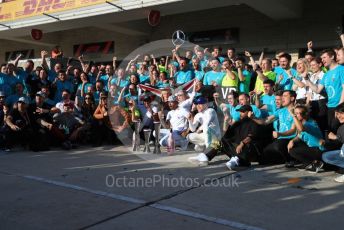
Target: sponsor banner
<point x="19" y="9"/>
<point x="225" y="91"/>
<point x="94" y="48"/>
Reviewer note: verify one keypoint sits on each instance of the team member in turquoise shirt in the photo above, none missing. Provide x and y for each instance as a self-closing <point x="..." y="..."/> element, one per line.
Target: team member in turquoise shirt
<point x="144" y="79"/>
<point x="278" y="106"/>
<point x="19" y="92"/>
<point x="214" y="76"/>
<point x="333" y="83"/>
<point x="277" y="151"/>
<point x="61" y="83"/>
<point x="217" y="54"/>
<point x="307" y="147"/>
<point x="197" y="69"/>
<point x="83" y="87"/>
<point x="5" y="86"/>
<point x="120" y="80"/>
<point x="282" y="78"/>
<point x="105" y="77"/>
<point x="244" y="99"/>
<point x="203" y="61"/>
<point x="244" y="76"/>
<point x="184" y="74"/>
<point x="266" y="102"/>
<point x="23" y="75"/>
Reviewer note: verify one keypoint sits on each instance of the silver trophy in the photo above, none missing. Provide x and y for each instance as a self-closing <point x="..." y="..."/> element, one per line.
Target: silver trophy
<point x="136" y="135"/>
<point x="157" y="137"/>
<point x="178" y="38"/>
<point x="147" y="133"/>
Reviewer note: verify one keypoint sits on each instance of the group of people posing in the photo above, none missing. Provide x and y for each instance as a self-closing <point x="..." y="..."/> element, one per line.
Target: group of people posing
<point x="273" y="111"/>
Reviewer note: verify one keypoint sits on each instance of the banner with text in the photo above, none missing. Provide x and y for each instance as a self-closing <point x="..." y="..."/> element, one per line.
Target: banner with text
<point x="20" y="9"/>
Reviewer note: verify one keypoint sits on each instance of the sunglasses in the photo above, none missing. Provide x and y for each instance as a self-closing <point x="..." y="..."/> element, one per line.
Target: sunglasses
<point x="87" y="98"/>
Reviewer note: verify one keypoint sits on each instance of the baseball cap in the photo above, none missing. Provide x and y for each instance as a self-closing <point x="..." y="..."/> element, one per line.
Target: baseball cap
<point x="244" y="108"/>
<point x="23" y="100"/>
<point x="146" y="98"/>
<point x="200" y="101"/>
<point x="2" y="94"/>
<point x="40" y="93"/>
<point x="172" y="98"/>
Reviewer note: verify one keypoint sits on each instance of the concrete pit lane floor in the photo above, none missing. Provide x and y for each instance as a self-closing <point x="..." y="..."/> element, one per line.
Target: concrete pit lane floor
<point x="114" y="188"/>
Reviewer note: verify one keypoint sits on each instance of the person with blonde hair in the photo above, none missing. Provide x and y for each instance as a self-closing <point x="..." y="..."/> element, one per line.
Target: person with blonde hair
<point x="317" y="102"/>
<point x="302" y="68"/>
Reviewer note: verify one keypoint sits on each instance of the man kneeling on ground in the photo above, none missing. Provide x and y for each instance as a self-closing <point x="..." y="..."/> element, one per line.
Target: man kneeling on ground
<point x="237" y="143"/>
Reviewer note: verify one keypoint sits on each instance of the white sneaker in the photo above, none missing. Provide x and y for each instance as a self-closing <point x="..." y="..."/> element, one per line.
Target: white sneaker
<point x="201" y="159"/>
<point x="339" y="179"/>
<point x="233" y="162"/>
<point x="199" y="148"/>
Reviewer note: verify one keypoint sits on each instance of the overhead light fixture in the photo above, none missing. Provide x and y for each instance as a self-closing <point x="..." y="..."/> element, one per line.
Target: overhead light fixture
<point x="8" y="27"/>
<point x="113" y="4"/>
<point x="48" y="15"/>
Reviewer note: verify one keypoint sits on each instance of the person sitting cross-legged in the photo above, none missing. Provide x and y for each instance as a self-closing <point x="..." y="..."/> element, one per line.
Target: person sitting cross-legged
<point x="19" y="125"/>
<point x="206" y="130"/>
<point x="68" y="126"/>
<point x="308" y="145"/>
<point x="176" y="120"/>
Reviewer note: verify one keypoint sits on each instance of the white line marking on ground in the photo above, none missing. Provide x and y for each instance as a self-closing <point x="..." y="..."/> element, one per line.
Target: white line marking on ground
<point x="182" y="212"/>
<point x="79" y="188"/>
<point x="196" y="215"/>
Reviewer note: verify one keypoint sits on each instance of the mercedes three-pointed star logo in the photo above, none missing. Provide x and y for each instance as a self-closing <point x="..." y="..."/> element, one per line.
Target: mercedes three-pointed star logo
<point x="178" y="38"/>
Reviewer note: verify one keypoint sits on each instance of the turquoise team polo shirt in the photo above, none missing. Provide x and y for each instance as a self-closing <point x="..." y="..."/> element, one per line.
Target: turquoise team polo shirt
<point x="333" y="81"/>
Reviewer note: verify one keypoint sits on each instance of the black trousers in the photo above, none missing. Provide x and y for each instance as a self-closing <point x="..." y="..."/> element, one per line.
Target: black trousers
<point x="23" y="137"/>
<point x="332" y="121"/>
<point x="319" y="113"/>
<point x="305" y="154"/>
<point x="247" y="155"/>
<point x="101" y="133"/>
<point x="276" y="152"/>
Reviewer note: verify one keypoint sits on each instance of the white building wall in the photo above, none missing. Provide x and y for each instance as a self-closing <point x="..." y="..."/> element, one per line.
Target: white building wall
<point x="256" y="31"/>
